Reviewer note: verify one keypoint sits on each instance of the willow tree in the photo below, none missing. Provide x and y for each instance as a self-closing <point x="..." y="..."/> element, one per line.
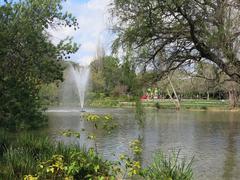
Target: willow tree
<point x="28" y="58"/>
<point x="170" y="34"/>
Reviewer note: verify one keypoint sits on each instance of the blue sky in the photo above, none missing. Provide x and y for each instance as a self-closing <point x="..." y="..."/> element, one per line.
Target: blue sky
<point x="93" y="18"/>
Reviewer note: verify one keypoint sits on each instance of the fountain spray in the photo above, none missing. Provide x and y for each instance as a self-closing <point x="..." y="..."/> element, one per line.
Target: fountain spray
<point x="81" y="77"/>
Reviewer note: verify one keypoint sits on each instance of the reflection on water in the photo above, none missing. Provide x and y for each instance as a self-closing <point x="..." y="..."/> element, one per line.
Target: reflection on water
<point x="230" y="162"/>
<point x="213" y="138"/>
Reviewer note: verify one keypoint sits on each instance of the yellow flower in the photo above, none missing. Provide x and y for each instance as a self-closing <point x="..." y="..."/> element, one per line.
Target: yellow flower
<point x="30" y="177"/>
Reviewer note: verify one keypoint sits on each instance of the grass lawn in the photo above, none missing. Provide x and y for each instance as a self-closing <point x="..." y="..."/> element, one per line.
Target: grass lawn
<point x="185" y="104"/>
<point x="191" y="104"/>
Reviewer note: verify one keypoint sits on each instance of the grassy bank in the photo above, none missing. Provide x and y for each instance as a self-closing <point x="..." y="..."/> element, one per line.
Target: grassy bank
<point x="191" y="104"/>
<point x="37" y="157"/>
<point x="32" y="157"/>
<point x="185" y="104"/>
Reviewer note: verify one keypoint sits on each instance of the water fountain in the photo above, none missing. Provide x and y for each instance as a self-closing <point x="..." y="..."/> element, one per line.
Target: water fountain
<point x="80" y="75"/>
<point x="73" y="89"/>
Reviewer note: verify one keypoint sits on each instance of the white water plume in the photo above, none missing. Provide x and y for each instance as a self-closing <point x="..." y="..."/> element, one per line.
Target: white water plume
<point x="81" y="77"/>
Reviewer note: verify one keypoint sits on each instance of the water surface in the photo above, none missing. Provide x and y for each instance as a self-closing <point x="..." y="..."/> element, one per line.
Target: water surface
<point x="213" y="138"/>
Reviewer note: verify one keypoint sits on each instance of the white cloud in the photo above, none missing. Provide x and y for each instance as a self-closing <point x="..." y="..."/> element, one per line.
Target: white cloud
<point x="85" y="60"/>
<point x="98" y="5"/>
<point x="60" y="33"/>
<point x="93" y="19"/>
<point x="89" y="46"/>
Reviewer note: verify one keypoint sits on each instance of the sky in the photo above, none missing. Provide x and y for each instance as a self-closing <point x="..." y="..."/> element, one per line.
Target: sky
<point x="94" y="21"/>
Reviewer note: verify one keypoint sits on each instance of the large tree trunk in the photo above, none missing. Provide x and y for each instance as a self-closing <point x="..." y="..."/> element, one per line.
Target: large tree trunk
<point x="233" y="97"/>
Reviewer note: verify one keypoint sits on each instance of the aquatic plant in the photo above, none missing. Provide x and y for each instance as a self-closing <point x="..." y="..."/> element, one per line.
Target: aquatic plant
<point x="136" y="146"/>
<point x="70" y="133"/>
<point x="103" y="121"/>
<point x="139" y="114"/>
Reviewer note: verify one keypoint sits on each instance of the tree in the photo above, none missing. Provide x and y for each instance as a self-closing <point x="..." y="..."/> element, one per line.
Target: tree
<point x="105" y="74"/>
<point x="28" y="59"/>
<point x="129" y="77"/>
<point x="213" y="80"/>
<point x="207" y="76"/>
<point x="110" y="73"/>
<point x="185" y="31"/>
<point x="111" y="77"/>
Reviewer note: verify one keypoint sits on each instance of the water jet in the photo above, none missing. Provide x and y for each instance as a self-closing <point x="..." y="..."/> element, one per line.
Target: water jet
<point x="81" y="77"/>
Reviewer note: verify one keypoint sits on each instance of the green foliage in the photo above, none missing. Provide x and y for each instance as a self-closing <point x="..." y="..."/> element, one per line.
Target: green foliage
<point x="80" y="165"/>
<point x="70" y="133"/>
<point x="129" y="78"/>
<point x="110" y="74"/>
<point x="163" y="167"/>
<point x="103" y="121"/>
<point x="21" y="157"/>
<point x="52" y="168"/>
<point x="37" y="157"/>
<point x="20" y="105"/>
<point x="105" y="74"/>
<point x="136" y="147"/>
<point x="32" y="157"/>
<point x="201" y="34"/>
<point x="49" y="94"/>
<point x="157" y="105"/>
<point x="132" y="167"/>
<point x="29" y="59"/>
<point x="4" y="141"/>
<point x="171" y="167"/>
<point x="104" y="102"/>
<point x="112" y="78"/>
<point x="139" y="114"/>
<point x="203" y="107"/>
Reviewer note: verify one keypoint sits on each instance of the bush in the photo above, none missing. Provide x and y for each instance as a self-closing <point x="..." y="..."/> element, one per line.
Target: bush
<point x="20" y="106"/>
<point x="204" y="107"/>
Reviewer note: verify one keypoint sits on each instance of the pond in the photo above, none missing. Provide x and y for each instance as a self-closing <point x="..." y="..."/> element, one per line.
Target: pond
<point x="213" y="138"/>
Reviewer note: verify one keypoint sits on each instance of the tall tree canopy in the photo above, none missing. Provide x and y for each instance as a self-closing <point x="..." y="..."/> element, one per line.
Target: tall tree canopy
<point x="28" y="58"/>
<point x="168" y="34"/>
<point x="111" y="77"/>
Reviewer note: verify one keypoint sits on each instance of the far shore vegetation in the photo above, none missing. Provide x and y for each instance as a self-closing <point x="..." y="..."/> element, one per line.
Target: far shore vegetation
<point x="117" y="83"/>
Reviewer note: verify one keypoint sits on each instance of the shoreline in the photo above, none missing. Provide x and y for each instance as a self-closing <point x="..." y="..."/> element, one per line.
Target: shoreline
<point x="189" y="104"/>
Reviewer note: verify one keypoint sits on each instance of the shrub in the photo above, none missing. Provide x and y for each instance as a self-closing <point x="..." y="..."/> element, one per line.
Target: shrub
<point x="204" y="107"/>
<point x="76" y="165"/>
